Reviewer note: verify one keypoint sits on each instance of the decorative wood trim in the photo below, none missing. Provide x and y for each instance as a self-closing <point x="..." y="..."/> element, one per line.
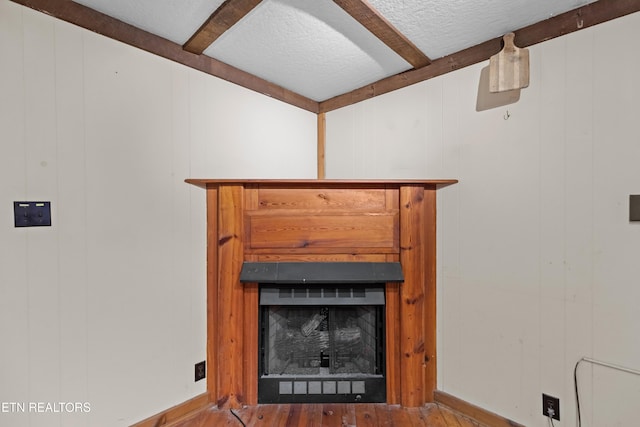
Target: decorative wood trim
<point x="392" y="339"/>
<point x="82" y="16"/>
<point x="379" y="26"/>
<point x="314" y="183"/>
<point x="430" y="301"/>
<point x="412" y="295"/>
<point x="223" y="18"/>
<point x="212" y="293"/>
<point x="251" y="351"/>
<point x="230" y="303"/>
<point x="175" y="413"/>
<point x="322" y="258"/>
<point x="472" y="411"/>
<point x="251" y="313"/>
<point x="322" y="137"/>
<point x="568" y="22"/>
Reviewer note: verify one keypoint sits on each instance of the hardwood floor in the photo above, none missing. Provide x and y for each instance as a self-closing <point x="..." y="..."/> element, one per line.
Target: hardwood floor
<point x="329" y="415"/>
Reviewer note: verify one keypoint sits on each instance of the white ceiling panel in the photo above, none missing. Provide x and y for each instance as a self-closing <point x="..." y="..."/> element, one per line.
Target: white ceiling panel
<point x="315" y="49"/>
<point x="442" y="27"/>
<point x="311" y="47"/>
<point x="175" y="20"/>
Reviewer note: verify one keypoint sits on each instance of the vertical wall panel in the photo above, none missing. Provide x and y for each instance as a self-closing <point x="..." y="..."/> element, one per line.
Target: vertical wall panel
<point x="188" y="297"/>
<point x="14" y="299"/>
<point x="551" y="71"/>
<point x="42" y="243"/>
<point x="71" y="220"/>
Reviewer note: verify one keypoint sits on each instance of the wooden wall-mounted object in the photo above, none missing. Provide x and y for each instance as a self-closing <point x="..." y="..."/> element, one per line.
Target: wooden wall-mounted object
<point x="320" y="220"/>
<point x="509" y="68"/>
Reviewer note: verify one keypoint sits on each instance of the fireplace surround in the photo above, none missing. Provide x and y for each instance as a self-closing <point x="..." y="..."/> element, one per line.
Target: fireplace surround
<point x="321" y="330"/>
<point x="364" y="225"/>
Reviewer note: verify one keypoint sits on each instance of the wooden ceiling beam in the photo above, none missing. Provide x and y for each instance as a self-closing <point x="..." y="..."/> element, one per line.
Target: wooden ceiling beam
<point x="575" y="20"/>
<point x="223" y="18"/>
<point x="82" y="16"/>
<point x="372" y="20"/>
<point x="568" y="22"/>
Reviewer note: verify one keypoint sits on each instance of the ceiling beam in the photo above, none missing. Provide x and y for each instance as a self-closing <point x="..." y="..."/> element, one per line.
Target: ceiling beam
<point x="82" y="16"/>
<point x="575" y="20"/>
<point x="378" y="25"/>
<point x="568" y="22"/>
<point x="223" y="18"/>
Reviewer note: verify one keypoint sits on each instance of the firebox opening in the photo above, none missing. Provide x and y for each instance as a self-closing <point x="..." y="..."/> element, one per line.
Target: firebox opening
<point x="321" y="344"/>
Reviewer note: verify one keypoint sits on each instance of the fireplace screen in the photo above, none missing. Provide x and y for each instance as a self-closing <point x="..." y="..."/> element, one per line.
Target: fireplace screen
<point x="321" y="344"/>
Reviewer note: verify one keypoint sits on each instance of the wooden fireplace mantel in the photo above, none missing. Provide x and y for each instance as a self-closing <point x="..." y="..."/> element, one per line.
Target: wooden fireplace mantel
<point x="320" y="221"/>
<point x="319" y="182"/>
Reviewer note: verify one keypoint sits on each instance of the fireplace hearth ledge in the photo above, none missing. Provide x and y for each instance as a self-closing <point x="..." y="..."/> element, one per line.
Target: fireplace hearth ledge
<point x="321" y="273"/>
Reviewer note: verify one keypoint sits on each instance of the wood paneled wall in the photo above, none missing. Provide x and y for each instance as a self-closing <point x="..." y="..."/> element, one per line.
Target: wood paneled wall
<point x="320" y="221"/>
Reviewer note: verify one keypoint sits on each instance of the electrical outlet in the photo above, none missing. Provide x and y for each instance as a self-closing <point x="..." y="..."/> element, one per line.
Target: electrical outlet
<point x="201" y="370"/>
<point x="551" y="406"/>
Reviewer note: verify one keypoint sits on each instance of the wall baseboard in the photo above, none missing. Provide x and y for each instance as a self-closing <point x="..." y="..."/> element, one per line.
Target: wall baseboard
<point x="182" y="410"/>
<point x="472" y="411"/>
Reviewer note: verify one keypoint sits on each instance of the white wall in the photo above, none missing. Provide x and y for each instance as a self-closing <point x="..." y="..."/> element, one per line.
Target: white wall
<point x="107" y="306"/>
<point x="538" y="262"/>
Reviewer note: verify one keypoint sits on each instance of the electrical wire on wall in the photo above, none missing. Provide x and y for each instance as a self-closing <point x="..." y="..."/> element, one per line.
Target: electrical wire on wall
<point x="595" y="362"/>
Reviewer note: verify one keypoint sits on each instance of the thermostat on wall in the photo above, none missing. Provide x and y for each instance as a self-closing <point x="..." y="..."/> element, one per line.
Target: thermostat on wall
<point x="634" y="207"/>
<point x="32" y="214"/>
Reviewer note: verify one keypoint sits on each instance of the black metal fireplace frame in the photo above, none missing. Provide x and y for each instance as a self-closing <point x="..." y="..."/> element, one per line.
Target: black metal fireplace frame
<point x="356" y="388"/>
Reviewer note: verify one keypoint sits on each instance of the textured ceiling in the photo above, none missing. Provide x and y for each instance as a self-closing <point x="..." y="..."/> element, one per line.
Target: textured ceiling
<point x="315" y="49"/>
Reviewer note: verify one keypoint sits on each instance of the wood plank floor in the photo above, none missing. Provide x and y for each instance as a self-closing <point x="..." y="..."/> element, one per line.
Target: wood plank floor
<point x="329" y="415"/>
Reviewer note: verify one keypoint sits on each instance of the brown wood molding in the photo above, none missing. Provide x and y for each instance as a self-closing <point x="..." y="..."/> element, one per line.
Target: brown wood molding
<point x="568" y="22"/>
<point x="223" y="18"/>
<point x="82" y="16"/>
<point x="472" y="411"/>
<point x="176" y="413"/>
<point x="412" y="296"/>
<point x="212" y="292"/>
<point x="230" y="304"/>
<point x="378" y="25"/>
<point x="322" y="137"/>
<point x="207" y="183"/>
<point x="430" y="301"/>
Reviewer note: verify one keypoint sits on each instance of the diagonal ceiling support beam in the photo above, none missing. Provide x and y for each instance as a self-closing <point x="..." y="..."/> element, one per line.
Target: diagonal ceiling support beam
<point x="372" y="20"/>
<point x="82" y="16"/>
<point x="224" y="17"/>
<point x="574" y="20"/>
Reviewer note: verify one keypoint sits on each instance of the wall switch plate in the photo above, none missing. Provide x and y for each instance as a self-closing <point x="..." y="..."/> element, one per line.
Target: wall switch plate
<point x="32" y="214"/>
<point x="634" y="207"/>
<point x="551" y="406"/>
<point x="200" y="370"/>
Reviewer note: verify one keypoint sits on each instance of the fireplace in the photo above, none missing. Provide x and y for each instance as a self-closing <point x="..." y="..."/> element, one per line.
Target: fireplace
<point x="321" y="330"/>
<point x="279" y="332"/>
<point x="321" y="344"/>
